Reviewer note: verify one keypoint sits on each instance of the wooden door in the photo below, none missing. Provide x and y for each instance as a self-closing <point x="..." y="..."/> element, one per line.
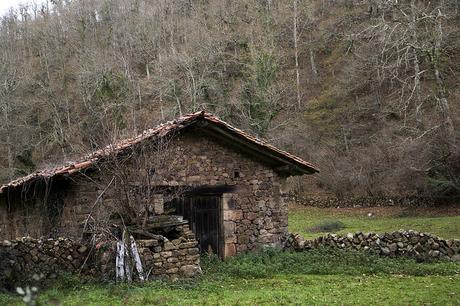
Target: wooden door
<point x="204" y="215"/>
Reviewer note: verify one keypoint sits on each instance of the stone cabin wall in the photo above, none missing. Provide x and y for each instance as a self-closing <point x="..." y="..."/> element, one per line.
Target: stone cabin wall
<point x="253" y="213"/>
<point x="20" y="216"/>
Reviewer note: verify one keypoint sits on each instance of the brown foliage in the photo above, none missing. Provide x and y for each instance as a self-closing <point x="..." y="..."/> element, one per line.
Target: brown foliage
<point x="376" y="81"/>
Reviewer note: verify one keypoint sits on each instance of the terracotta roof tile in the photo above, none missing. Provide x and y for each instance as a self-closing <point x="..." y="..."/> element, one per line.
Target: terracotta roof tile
<point x="90" y="159"/>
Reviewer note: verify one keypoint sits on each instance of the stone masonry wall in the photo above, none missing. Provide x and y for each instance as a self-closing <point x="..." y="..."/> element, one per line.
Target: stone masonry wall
<point x="330" y="201"/>
<point x="253" y="213"/>
<point x="161" y="258"/>
<point x="23" y="258"/>
<point x="21" y="220"/>
<point x="421" y="246"/>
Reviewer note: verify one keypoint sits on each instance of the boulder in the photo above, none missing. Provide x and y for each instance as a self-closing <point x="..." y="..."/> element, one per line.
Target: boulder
<point x="190" y="270"/>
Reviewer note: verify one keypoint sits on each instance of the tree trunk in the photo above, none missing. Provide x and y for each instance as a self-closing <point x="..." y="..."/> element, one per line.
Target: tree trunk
<point x="314" y="70"/>
<point x="416" y="89"/>
<point x="442" y="94"/>
<point x="296" y="55"/>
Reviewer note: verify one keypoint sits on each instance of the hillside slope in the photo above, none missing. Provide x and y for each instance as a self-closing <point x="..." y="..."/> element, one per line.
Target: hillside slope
<point x="367" y="90"/>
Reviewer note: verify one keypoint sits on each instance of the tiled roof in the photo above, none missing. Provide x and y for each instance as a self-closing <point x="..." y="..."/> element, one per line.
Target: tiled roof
<point x="90" y="159"/>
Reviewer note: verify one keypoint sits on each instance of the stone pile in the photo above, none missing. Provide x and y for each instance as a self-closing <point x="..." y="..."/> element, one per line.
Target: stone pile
<point x="23" y="258"/>
<point x="161" y="258"/>
<point x="174" y="258"/>
<point x="421" y="246"/>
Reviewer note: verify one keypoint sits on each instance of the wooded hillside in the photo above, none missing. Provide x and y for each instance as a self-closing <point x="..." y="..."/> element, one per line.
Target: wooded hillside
<point x="366" y="90"/>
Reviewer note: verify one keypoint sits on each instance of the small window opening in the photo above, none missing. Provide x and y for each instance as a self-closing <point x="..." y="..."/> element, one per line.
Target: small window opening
<point x="236" y="174"/>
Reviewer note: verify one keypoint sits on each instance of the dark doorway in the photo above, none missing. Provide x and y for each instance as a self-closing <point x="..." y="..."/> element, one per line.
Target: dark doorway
<point x="204" y="215"/>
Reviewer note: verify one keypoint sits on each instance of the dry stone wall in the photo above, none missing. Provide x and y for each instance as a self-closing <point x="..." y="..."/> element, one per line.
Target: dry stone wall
<point x="22" y="259"/>
<point x="421" y="246"/>
<point x="329" y="201"/>
<point x="161" y="258"/>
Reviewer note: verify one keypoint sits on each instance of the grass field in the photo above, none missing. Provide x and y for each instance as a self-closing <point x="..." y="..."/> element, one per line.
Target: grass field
<point x="443" y="222"/>
<point x="326" y="276"/>
<point x="270" y="277"/>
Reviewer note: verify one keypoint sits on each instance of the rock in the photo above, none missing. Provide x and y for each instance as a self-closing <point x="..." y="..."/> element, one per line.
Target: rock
<point x="187" y="245"/>
<point x="172" y="270"/>
<point x="169" y="246"/>
<point x="82" y="249"/>
<point x="385" y="251"/>
<point x="166" y="254"/>
<point x="455" y="258"/>
<point x="419" y="248"/>
<point x="393" y="247"/>
<point x="148" y="243"/>
<point x="190" y="270"/>
<point x="193" y="251"/>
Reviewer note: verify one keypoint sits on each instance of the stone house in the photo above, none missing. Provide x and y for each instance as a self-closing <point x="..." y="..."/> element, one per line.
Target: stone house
<point x="224" y="182"/>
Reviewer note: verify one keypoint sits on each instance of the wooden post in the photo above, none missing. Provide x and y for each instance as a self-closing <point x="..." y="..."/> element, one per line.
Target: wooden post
<point x="120" y="261"/>
<point x="127" y="256"/>
<point x="137" y="259"/>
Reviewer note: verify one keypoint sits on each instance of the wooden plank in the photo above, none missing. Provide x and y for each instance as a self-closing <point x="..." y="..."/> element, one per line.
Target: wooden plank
<point x="137" y="259"/>
<point x="128" y="263"/>
<point x="120" y="261"/>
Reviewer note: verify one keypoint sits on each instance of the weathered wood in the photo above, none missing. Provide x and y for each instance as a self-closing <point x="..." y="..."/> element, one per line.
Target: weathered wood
<point x="148" y="234"/>
<point x="137" y="259"/>
<point x="128" y="261"/>
<point x="127" y="257"/>
<point x="120" y="261"/>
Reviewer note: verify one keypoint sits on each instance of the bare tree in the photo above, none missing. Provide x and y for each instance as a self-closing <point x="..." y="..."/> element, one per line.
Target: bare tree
<point x="296" y="53"/>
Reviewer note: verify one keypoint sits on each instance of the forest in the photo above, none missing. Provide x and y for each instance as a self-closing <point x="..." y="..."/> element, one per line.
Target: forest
<point x="366" y="90"/>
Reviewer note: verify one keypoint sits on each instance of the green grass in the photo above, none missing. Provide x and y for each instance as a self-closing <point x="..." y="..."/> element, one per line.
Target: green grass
<point x="303" y="218"/>
<point x="270" y="277"/>
<point x="323" y="276"/>
<point x="280" y="290"/>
